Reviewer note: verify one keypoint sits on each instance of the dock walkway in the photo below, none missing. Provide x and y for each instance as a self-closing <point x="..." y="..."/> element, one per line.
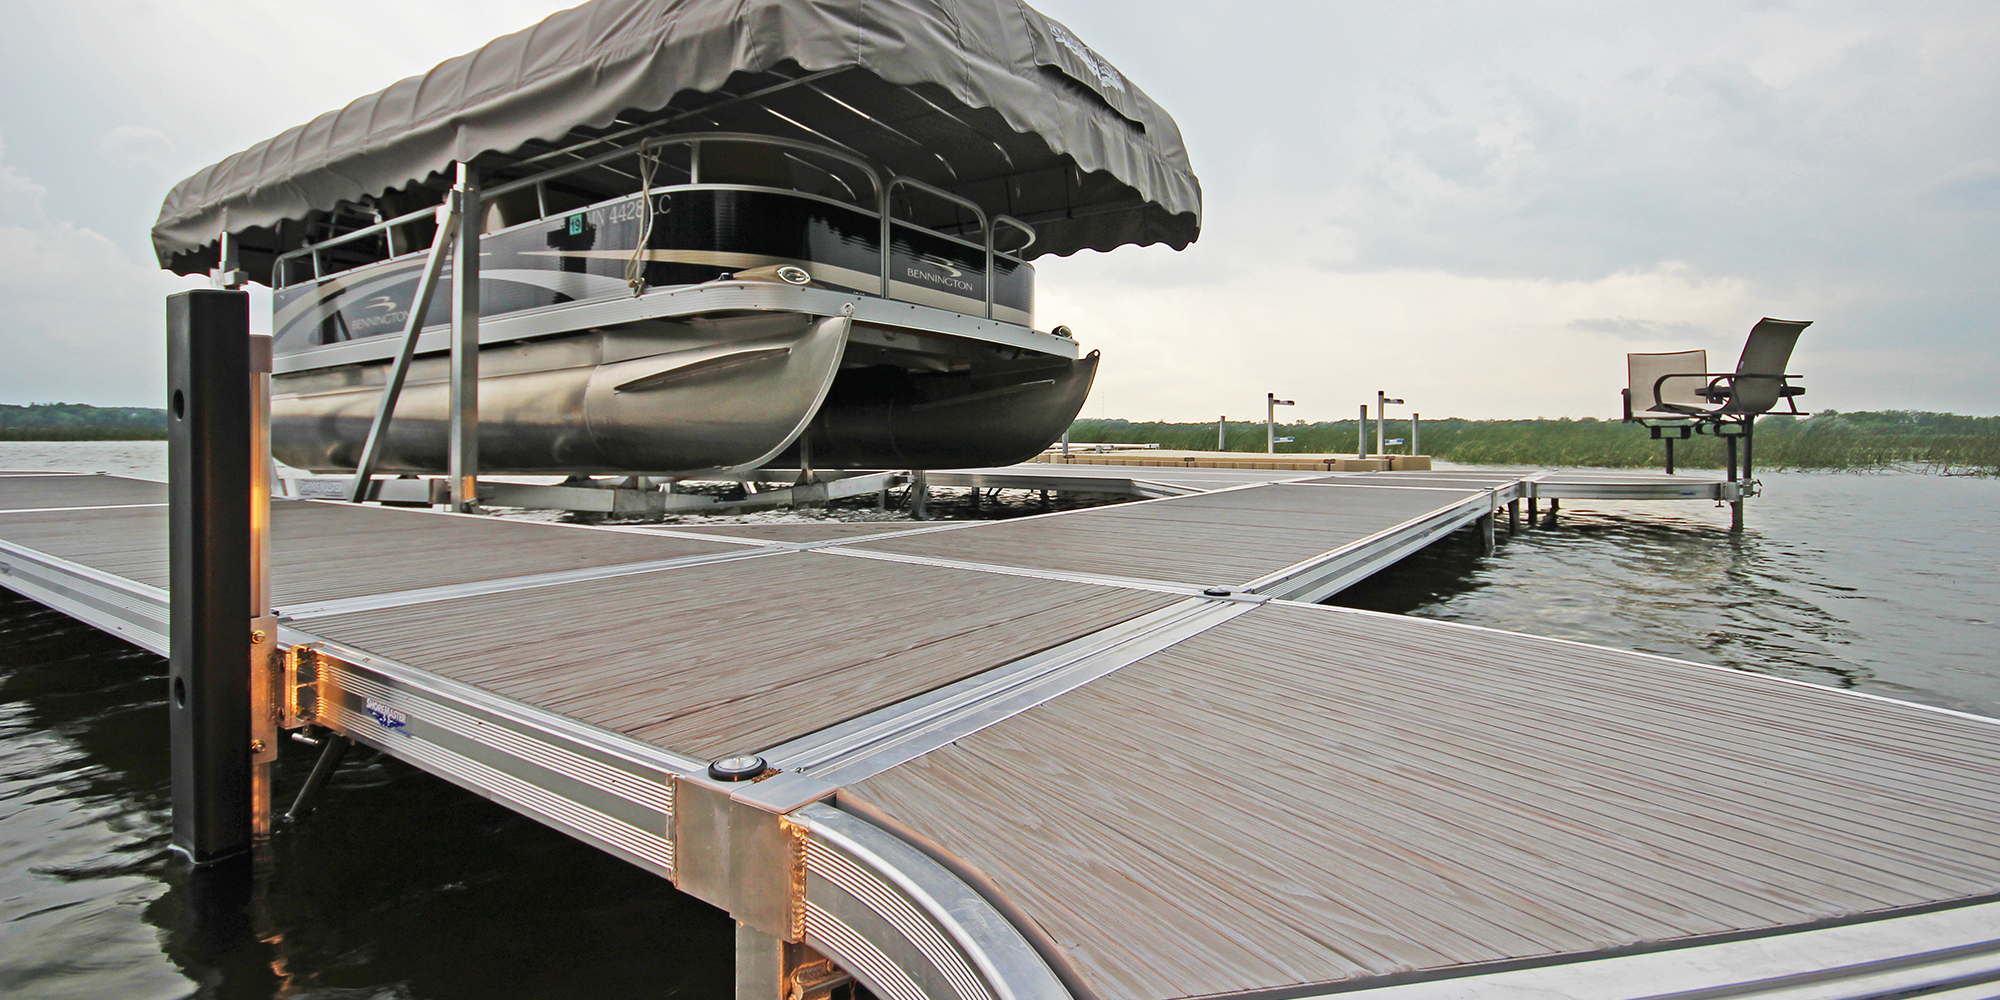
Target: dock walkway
<point x="1112" y="752"/>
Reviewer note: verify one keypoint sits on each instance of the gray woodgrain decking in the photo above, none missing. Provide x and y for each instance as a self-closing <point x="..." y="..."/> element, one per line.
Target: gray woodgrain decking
<point x="31" y="491"/>
<point x="1309" y="795"/>
<point x="1230" y="537"/>
<point x="712" y="660"/>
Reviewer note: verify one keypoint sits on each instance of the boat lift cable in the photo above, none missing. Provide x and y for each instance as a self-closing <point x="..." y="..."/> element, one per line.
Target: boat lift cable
<point x="635" y="268"/>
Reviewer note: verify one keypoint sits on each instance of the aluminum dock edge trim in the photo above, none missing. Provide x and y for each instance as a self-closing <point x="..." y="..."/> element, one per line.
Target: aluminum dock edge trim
<point x="904" y="925"/>
<point x="1924" y="954"/>
<point x="607" y="790"/>
<point x="1331" y="572"/>
<point x="131" y="611"/>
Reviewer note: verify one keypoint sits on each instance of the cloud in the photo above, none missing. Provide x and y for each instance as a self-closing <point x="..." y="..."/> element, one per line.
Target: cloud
<point x="82" y="322"/>
<point x="134" y="146"/>
<point x="1454" y="345"/>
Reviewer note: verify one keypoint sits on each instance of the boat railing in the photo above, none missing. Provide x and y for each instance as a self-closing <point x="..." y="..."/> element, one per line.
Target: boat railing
<point x="883" y="191"/>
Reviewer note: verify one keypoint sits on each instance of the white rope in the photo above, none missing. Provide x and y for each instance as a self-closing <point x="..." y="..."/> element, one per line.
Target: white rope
<point x="635" y="268"/>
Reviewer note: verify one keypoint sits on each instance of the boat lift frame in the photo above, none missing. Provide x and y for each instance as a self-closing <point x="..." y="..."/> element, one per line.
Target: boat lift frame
<point x="457" y="239"/>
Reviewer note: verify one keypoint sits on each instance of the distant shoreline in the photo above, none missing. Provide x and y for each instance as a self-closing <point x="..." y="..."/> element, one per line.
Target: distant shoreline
<point x="82" y="422"/>
<point x="1908" y="440"/>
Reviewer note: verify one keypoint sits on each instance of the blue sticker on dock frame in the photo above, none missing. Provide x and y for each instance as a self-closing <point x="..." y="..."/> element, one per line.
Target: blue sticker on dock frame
<point x="388" y="717"/>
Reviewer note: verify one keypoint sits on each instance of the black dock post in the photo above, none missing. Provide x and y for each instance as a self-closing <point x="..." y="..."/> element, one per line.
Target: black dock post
<point x="216" y="630"/>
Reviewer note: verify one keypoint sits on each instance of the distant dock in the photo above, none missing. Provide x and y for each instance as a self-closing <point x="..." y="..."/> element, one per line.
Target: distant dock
<point x="1114" y="752"/>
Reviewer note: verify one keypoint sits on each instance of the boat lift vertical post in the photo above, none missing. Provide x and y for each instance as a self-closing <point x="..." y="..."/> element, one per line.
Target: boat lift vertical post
<point x="465" y="345"/>
<point x="1361" y="433"/>
<point x="1414" y="417"/>
<point x="1382" y="402"/>
<point x="222" y="638"/>
<point x="1271" y="404"/>
<point x="1222" y="433"/>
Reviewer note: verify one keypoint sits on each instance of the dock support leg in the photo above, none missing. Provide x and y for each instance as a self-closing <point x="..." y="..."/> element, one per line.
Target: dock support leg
<point x="770" y="969"/>
<point x="1735" y="506"/>
<point x="210" y="555"/>
<point x="920" y="495"/>
<point x="1513" y="517"/>
<point x="330" y="755"/>
<point x="760" y="965"/>
<point x="1554" y="506"/>
<point x="1486" y="542"/>
<point x="1532" y="522"/>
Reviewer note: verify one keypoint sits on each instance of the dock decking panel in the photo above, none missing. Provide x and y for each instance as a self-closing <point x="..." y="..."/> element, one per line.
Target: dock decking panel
<point x="718" y="659"/>
<point x="130" y="542"/>
<point x="329" y="551"/>
<point x="1308" y="795"/>
<point x="1230" y="537"/>
<point x="32" y="492"/>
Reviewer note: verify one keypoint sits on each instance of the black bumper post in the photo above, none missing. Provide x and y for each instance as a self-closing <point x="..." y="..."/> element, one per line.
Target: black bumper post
<point x="209" y="444"/>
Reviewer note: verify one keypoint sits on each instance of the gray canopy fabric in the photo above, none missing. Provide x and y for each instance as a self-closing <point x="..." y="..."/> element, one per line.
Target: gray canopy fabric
<point x="986" y="98"/>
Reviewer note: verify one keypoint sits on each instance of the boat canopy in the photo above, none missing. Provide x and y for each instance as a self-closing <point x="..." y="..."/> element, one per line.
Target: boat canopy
<point x="986" y="99"/>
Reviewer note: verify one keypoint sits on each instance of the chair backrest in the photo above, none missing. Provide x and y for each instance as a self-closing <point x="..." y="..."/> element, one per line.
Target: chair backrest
<point x="1765" y="355"/>
<point x="1643" y="370"/>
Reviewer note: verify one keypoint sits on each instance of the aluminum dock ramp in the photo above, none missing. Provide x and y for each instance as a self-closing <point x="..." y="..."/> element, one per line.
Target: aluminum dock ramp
<point x="1112" y="752"/>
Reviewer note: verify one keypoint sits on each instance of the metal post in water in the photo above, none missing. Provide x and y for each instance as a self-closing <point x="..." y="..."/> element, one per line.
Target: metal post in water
<point x="1736" y="505"/>
<point x="1361" y="433"/>
<point x="1222" y="433"/>
<point x="1413" y="433"/>
<point x="1513" y="517"/>
<point x="214" y="483"/>
<point x="464" y="432"/>
<point x="1065" y="453"/>
<point x="920" y="492"/>
<point x="1670" y="455"/>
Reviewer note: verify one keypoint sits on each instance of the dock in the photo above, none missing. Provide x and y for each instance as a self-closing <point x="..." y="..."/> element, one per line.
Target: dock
<point x="1117" y="752"/>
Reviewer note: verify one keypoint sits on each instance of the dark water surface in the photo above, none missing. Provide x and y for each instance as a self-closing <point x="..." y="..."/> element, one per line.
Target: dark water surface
<point x="403" y="886"/>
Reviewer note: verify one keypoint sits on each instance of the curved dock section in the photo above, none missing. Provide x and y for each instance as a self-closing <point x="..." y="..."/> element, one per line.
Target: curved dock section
<point x="1106" y="753"/>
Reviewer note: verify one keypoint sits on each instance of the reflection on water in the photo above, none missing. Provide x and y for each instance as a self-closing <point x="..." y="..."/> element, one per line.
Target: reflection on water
<point x="1886" y="584"/>
<point x="402" y="886"/>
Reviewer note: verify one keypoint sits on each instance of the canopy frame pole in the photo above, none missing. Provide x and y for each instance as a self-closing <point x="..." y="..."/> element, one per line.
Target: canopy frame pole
<point x="465" y="346"/>
<point x="447" y="237"/>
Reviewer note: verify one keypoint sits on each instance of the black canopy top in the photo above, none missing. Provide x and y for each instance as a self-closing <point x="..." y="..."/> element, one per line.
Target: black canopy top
<point x="984" y="98"/>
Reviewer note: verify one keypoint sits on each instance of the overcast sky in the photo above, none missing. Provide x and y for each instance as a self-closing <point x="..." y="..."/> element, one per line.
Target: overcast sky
<point x="1480" y="207"/>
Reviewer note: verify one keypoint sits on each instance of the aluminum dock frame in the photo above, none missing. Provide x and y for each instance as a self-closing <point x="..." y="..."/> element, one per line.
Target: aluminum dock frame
<point x="1112" y="752"/>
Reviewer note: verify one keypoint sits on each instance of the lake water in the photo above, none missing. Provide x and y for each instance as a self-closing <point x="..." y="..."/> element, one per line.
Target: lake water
<point x="402" y="886"/>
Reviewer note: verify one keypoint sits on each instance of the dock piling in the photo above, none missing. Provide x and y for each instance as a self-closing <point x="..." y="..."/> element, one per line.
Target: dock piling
<point x="220" y="632"/>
